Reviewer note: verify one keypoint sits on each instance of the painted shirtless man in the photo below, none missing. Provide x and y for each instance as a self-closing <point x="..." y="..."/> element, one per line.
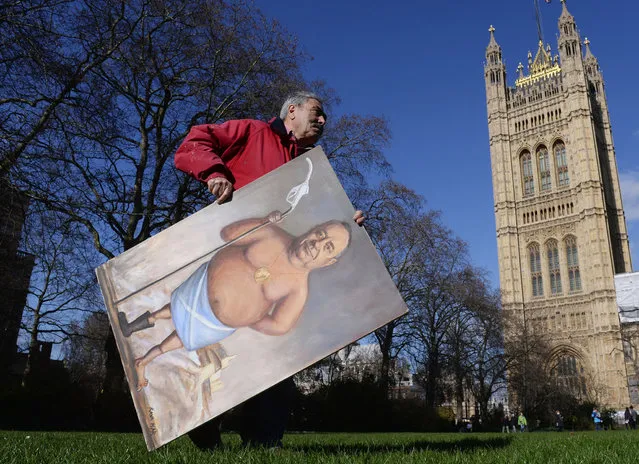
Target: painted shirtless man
<point x="259" y="281"/>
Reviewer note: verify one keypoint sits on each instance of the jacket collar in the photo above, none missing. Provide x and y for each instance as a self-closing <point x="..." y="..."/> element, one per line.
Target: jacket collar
<point x="277" y="126"/>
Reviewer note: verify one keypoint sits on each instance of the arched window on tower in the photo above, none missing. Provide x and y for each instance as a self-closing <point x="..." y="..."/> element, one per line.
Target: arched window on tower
<point x="561" y="164"/>
<point x="552" y="251"/>
<point x="535" y="270"/>
<point x="569" y="375"/>
<point x="572" y="260"/>
<point x="527" y="170"/>
<point x="544" y="168"/>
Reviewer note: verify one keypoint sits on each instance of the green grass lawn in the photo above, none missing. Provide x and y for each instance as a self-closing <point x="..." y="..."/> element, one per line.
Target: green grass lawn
<point x="544" y="448"/>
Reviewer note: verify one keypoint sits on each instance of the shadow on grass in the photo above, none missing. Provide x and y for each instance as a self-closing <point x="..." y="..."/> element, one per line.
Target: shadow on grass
<point x="464" y="445"/>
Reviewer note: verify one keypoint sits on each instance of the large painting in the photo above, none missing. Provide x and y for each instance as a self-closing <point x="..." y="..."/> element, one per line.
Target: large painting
<point x="239" y="296"/>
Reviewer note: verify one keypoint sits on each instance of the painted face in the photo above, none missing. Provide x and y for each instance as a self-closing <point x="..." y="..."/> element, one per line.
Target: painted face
<point x="308" y="121"/>
<point x="321" y="245"/>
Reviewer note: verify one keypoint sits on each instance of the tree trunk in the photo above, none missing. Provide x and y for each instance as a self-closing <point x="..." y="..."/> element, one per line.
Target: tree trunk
<point x="432" y="377"/>
<point x="459" y="396"/>
<point x="33" y="352"/>
<point x="385" y="345"/>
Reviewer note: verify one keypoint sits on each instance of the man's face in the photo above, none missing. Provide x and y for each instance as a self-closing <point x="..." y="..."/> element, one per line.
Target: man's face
<point x="321" y="245"/>
<point x="307" y="121"/>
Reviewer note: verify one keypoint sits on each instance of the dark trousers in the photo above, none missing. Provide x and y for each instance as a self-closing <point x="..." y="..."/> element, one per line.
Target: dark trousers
<point x="263" y="419"/>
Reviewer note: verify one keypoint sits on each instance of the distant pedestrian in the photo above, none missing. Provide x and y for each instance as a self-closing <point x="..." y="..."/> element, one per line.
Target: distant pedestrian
<point x="505" y="424"/>
<point x="633" y="418"/>
<point x="522" y="422"/>
<point x="596" y="417"/>
<point x="559" y="421"/>
<point x="627" y="418"/>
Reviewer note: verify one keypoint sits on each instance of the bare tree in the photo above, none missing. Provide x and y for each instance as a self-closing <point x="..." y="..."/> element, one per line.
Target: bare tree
<point x="84" y="352"/>
<point x="47" y="48"/>
<point x="441" y="280"/>
<point x="354" y="145"/>
<point x="528" y="355"/>
<point x="471" y="349"/>
<point x="392" y="211"/>
<point x="62" y="284"/>
<point x="487" y="366"/>
<point x="457" y="358"/>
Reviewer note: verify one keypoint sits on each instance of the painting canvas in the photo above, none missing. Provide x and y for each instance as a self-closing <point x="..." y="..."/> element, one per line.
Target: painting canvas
<point x="240" y="296"/>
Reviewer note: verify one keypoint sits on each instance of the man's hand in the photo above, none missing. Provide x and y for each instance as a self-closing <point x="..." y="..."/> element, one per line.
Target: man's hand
<point x="359" y="217"/>
<point x="221" y="188"/>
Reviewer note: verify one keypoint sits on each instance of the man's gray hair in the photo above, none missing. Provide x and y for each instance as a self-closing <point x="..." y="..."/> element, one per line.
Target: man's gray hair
<point x="297" y="99"/>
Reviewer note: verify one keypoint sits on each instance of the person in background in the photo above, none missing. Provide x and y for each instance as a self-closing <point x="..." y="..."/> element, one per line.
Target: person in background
<point x="522" y="422"/>
<point x="596" y="417"/>
<point x="559" y="421"/>
<point x="505" y="424"/>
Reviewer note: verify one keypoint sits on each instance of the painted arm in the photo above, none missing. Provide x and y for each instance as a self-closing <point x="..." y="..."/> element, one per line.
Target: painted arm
<point x="284" y="316"/>
<point x="236" y="229"/>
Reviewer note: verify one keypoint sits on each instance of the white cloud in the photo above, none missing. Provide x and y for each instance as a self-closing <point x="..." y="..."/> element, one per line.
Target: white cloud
<point x="636" y="133"/>
<point x="629" y="181"/>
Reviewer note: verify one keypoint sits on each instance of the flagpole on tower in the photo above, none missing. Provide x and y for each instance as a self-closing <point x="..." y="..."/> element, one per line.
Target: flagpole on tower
<point x="540" y="31"/>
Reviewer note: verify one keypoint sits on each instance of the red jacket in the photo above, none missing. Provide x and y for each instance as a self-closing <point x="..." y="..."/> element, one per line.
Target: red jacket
<point x="240" y="150"/>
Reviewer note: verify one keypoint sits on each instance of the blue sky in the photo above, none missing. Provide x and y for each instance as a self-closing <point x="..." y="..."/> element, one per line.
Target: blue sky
<point x="420" y="64"/>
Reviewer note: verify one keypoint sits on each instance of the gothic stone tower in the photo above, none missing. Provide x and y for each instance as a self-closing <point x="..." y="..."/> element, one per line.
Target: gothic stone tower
<point x="561" y="230"/>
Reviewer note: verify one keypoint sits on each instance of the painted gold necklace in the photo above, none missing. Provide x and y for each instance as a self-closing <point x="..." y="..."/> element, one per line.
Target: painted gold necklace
<point x="262" y="273"/>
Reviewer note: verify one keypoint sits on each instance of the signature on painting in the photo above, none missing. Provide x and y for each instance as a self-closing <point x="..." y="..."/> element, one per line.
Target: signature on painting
<point x="152" y="426"/>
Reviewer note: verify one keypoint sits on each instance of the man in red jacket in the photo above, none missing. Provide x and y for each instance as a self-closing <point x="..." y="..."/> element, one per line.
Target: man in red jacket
<point x="230" y="155"/>
<point x="226" y="157"/>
